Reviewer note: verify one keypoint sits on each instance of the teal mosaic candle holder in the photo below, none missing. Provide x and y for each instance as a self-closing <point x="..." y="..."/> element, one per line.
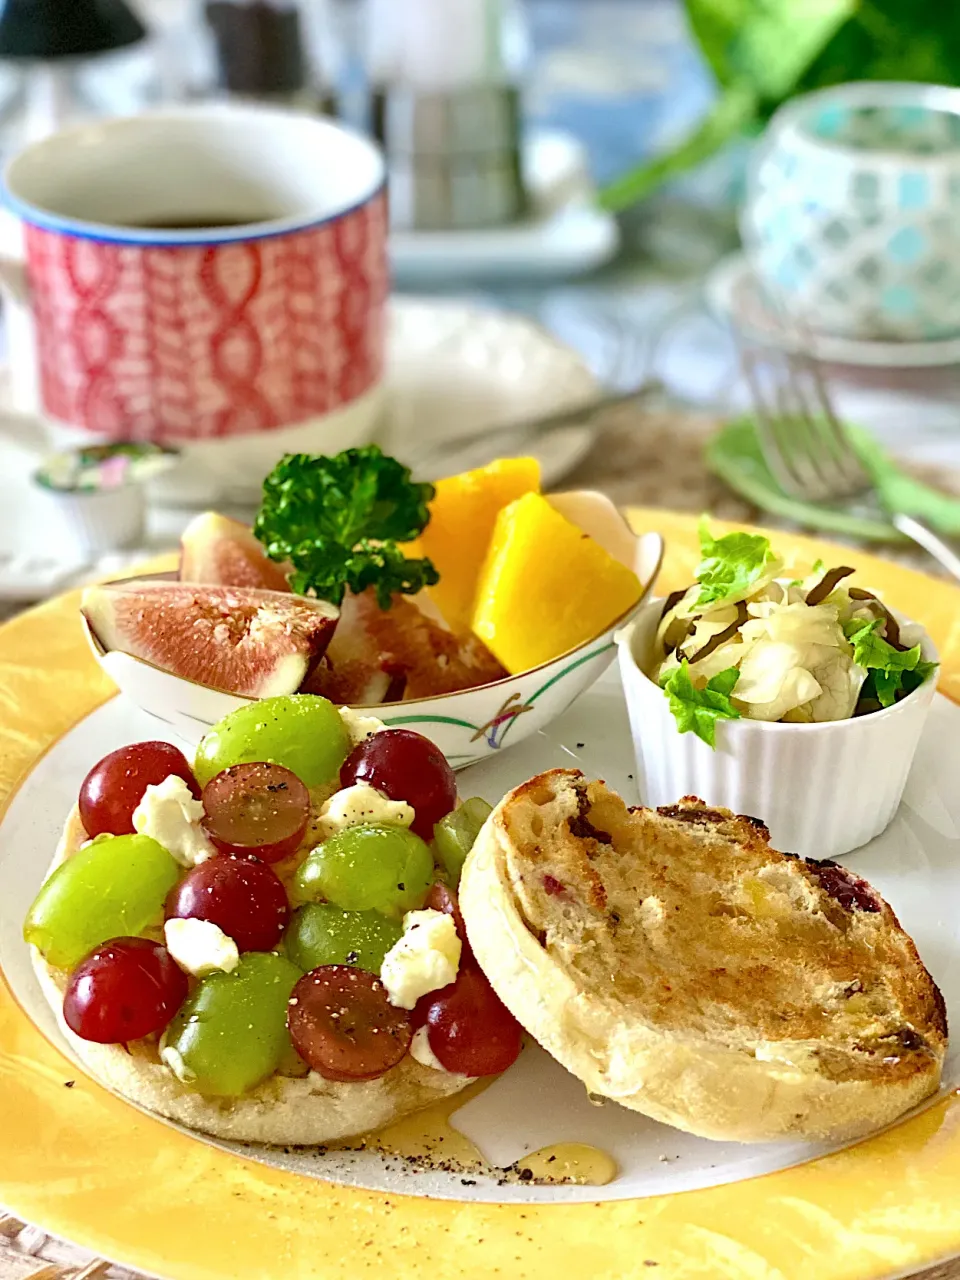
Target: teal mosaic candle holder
<point x="852" y="218"/>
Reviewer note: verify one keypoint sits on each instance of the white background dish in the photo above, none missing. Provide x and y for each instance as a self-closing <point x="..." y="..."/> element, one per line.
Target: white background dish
<point x="733" y="294"/>
<point x="915" y="864"/>
<point x="565" y="233"/>
<point x="453" y="368"/>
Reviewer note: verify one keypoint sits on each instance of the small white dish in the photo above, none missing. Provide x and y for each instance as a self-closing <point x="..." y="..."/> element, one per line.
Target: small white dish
<point x="823" y="790"/>
<point x="566" y="232"/>
<point x="734" y="295"/>
<point x="101" y="520"/>
<point x="467" y="726"/>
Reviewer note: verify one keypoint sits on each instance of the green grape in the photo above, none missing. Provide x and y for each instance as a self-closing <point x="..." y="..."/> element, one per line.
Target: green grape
<point x="232" y="1031"/>
<point x="113" y="888"/>
<point x="302" y="732"/>
<point x="326" y="934"/>
<point x="453" y="836"/>
<point x="369" y="868"/>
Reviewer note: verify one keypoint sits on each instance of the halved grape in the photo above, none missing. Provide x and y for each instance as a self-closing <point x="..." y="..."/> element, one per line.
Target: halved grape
<point x="468" y="1027"/>
<point x="385" y="869"/>
<point x="115" y="785"/>
<point x="405" y="766"/>
<point x="125" y="989"/>
<point x="325" y="934"/>
<point x="256" y="808"/>
<point x="244" y="897"/>
<point x="343" y="1024"/>
<point x="300" y="731"/>
<point x="113" y="888"/>
<point x="232" y="1032"/>
<point x="454" y="835"/>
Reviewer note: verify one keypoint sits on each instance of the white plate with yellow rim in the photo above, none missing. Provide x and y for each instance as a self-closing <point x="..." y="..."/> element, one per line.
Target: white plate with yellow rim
<point x="89" y="1167"/>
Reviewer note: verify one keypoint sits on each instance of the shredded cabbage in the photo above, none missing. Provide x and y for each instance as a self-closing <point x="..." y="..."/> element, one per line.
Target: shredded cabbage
<point x="793" y="660"/>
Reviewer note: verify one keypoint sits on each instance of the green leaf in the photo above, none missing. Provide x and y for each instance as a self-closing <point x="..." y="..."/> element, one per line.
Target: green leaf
<point x="698" y="710"/>
<point x="766" y="45"/>
<point x="338" y="520"/>
<point x="731" y="114"/>
<point x="731" y="564"/>
<point x="892" y="672"/>
<point x="759" y="50"/>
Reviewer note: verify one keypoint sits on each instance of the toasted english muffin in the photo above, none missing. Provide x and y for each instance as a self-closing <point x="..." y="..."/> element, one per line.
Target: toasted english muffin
<point x="282" y="1111"/>
<point x="676" y="963"/>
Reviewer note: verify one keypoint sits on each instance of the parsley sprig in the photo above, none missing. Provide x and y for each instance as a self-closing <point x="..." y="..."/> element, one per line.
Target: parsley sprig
<point x="698" y="710"/>
<point x="338" y="521"/>
<point x="891" y="673"/>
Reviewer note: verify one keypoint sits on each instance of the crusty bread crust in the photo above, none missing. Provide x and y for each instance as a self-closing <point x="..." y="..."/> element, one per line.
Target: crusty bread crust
<point x="282" y="1111"/>
<point x="677" y="964"/>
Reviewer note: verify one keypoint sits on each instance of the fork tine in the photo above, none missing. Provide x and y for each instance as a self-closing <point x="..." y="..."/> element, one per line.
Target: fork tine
<point x="773" y="424"/>
<point x="833" y="432"/>
<point x="797" y="435"/>
<point x="804" y="440"/>
<point x="809" y="436"/>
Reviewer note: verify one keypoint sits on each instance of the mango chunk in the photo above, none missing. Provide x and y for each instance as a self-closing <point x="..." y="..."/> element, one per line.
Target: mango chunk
<point x="462" y="516"/>
<point x="546" y="586"/>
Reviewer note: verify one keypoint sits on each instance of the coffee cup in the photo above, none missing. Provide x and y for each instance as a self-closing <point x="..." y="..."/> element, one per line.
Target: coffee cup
<point x="210" y="277"/>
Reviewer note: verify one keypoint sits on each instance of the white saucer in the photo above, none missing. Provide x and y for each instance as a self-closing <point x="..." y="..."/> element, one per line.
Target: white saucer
<point x="734" y="295"/>
<point x="915" y="864"/>
<point x="567" y="232"/>
<point x="453" y="369"/>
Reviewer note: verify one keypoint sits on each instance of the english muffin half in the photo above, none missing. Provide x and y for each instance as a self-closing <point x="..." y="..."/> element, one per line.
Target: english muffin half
<point x="282" y="1111"/>
<point x="677" y="964"/>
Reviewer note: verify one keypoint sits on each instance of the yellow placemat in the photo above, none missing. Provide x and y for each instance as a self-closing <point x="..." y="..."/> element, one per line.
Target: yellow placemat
<point x="90" y="1168"/>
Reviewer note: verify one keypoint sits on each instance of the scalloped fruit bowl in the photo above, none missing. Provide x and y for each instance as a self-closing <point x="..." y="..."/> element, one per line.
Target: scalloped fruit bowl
<point x="467" y="726"/>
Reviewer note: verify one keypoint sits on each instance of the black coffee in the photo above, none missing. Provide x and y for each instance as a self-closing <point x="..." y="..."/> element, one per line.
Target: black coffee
<point x="189" y="224"/>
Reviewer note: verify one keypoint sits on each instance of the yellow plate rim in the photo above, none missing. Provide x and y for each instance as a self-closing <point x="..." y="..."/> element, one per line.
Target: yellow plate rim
<point x="87" y="1167"/>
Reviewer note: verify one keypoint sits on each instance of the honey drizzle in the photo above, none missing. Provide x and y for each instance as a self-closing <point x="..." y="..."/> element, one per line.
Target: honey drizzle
<point x="428" y="1136"/>
<point x="571" y="1162"/>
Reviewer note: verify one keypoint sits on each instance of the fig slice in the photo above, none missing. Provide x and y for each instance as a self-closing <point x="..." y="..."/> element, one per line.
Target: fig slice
<point x="222" y="552"/>
<point x="236" y="639"/>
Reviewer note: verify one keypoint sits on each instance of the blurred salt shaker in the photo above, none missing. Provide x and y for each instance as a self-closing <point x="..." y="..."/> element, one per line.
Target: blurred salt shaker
<point x="447" y="77"/>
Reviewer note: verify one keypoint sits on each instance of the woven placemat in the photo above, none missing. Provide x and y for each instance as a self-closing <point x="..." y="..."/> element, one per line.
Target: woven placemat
<point x="649" y="457"/>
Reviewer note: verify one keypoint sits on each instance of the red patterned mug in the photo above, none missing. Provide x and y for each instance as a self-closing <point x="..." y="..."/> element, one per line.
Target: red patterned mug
<point x="213" y="277"/>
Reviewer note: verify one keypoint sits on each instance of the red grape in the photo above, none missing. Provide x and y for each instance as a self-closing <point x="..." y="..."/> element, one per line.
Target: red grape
<point x="240" y="894"/>
<point x="125" y="989"/>
<point x="469" y="1029"/>
<point x="405" y="766"/>
<point x="343" y="1025"/>
<point x="113" y="788"/>
<point x="256" y="808"/>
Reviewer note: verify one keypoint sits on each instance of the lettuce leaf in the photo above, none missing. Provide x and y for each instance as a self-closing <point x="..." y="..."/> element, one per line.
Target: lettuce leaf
<point x="891" y="672"/>
<point x="731" y="565"/>
<point x="698" y="710"/>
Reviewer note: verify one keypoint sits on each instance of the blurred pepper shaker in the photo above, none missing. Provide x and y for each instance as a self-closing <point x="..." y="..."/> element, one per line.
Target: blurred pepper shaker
<point x="263" y="50"/>
<point x="50" y="41"/>
<point x="447" y="80"/>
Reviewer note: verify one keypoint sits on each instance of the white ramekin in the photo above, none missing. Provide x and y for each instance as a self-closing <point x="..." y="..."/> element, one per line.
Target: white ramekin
<point x="822" y="789"/>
